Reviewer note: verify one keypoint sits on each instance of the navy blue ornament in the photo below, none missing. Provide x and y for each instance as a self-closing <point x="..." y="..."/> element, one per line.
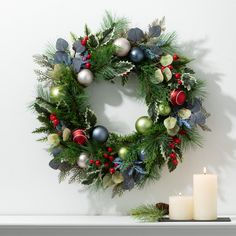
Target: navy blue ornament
<point x="136" y="55"/>
<point x="142" y="155"/>
<point x="100" y="134"/>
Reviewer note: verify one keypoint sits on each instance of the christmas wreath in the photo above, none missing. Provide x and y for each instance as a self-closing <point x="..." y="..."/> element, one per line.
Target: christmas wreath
<point x="89" y="153"/>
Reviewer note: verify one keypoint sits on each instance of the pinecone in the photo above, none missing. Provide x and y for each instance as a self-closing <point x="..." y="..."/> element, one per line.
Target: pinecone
<point x="164" y="207"/>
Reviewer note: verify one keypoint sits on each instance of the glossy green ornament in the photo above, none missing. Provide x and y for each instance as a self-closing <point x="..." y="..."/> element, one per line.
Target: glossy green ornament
<point x="164" y="109"/>
<point x="143" y="124"/>
<point x="123" y="152"/>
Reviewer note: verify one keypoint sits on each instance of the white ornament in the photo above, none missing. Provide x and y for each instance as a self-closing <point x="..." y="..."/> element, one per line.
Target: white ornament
<point x="85" y="77"/>
<point x="83" y="158"/>
<point x="123" y="47"/>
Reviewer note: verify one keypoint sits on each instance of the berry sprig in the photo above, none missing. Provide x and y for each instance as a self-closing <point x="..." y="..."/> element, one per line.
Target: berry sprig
<point x="54" y="120"/>
<point x="172" y="145"/>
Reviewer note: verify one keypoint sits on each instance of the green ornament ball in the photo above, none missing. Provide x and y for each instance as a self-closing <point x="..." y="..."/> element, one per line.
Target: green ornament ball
<point x="123" y="152"/>
<point x="164" y="109"/>
<point x="143" y="124"/>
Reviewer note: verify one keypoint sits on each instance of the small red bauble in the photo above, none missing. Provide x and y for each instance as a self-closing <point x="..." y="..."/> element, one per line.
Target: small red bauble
<point x="106" y="164"/>
<point x="177" y="97"/>
<point x="175" y="162"/>
<point x="88" y="56"/>
<point x="112" y="170"/>
<point x="111" y="158"/>
<point x="83" y="42"/>
<point x="177" y="140"/>
<point x="172" y="155"/>
<point x="179" y="81"/>
<point x="177" y="75"/>
<point x="172" y="145"/>
<point x="116" y="164"/>
<point x="109" y="149"/>
<point x="175" y="57"/>
<point x="97" y="163"/>
<point x="52" y="117"/>
<point x="56" y="122"/>
<point x="86" y="38"/>
<point x="91" y="161"/>
<point x="105" y="155"/>
<point x="79" y="136"/>
<point x="163" y="68"/>
<point x="87" y="65"/>
<point x="170" y="67"/>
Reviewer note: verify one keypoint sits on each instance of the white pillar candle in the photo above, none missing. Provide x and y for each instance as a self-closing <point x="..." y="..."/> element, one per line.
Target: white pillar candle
<point x="205" y="196"/>
<point x="180" y="207"/>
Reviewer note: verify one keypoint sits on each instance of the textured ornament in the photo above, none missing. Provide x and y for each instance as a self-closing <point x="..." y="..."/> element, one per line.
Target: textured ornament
<point x="54" y="139"/>
<point x="66" y="134"/>
<point x="79" y="136"/>
<point x="122" y="47"/>
<point x="136" y="55"/>
<point x="177" y="97"/>
<point x="158" y="77"/>
<point x="164" y="109"/>
<point x="100" y="134"/>
<point x="143" y="124"/>
<point x="82" y="160"/>
<point x="123" y="152"/>
<point x="85" y="77"/>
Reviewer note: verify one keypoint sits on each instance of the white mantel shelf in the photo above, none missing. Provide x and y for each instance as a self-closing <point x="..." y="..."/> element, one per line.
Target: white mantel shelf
<point x="19" y="221"/>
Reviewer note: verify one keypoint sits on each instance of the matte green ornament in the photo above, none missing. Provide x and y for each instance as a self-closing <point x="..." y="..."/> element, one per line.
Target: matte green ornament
<point x="123" y="152"/>
<point x="164" y="109"/>
<point x="143" y="124"/>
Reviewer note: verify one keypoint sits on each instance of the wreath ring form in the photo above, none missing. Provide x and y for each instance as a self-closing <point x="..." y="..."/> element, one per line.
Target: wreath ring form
<point x="87" y="152"/>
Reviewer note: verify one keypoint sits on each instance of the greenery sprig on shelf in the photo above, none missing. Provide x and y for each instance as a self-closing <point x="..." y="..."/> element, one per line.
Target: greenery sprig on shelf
<point x="88" y="153"/>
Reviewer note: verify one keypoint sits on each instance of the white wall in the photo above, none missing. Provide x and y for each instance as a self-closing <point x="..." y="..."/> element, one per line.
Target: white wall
<point x="206" y="30"/>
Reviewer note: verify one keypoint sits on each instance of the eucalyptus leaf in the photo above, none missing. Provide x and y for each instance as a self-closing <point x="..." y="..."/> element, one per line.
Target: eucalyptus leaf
<point x="76" y="64"/>
<point x="78" y="47"/>
<point x="107" y="181"/>
<point x="155" y="31"/>
<point x="184" y="113"/>
<point x="166" y="60"/>
<point x="135" y="34"/>
<point x="62" y="57"/>
<point x="61" y="44"/>
<point x="170" y="122"/>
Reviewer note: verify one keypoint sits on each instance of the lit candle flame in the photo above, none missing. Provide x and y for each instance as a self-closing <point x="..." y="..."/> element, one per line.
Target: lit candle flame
<point x="180" y="194"/>
<point x="204" y="170"/>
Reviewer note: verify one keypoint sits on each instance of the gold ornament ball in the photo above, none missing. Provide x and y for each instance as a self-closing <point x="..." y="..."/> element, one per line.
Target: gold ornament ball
<point x="85" y="77"/>
<point x="123" y="152"/>
<point x="143" y="124"/>
<point x="122" y="47"/>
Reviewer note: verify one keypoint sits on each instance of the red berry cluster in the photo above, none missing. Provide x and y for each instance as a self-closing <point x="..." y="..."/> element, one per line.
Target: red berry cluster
<point x="108" y="161"/>
<point x="54" y="120"/>
<point x="84" y="43"/>
<point x="175" y="141"/>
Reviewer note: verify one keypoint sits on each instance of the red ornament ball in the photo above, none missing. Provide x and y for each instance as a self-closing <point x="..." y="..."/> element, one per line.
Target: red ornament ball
<point x="116" y="164"/>
<point x="177" y="75"/>
<point x="175" y="57"/>
<point x="170" y="67"/>
<point x="182" y="132"/>
<point x="111" y="158"/>
<point x="52" y="117"/>
<point x="109" y="149"/>
<point x="163" y="68"/>
<point x="83" y="42"/>
<point x="175" y="162"/>
<point x="88" y="56"/>
<point x="105" y="155"/>
<point x="91" y="161"/>
<point x="172" y="155"/>
<point x="112" y="171"/>
<point x="86" y="38"/>
<point x="97" y="163"/>
<point x="177" y="97"/>
<point x="79" y="136"/>
<point x="172" y="145"/>
<point x="179" y="82"/>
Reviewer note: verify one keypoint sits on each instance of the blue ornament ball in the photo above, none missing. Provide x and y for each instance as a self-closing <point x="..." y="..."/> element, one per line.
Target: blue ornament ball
<point x="136" y="55"/>
<point x="100" y="134"/>
<point x="142" y="155"/>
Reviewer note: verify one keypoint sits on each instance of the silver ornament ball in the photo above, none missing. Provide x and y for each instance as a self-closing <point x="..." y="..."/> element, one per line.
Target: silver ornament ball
<point x="100" y="134"/>
<point x="85" y="77"/>
<point x="123" y="47"/>
<point x="82" y="160"/>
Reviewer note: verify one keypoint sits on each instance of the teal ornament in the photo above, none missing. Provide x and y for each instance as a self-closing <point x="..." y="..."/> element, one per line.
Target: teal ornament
<point x="143" y="124"/>
<point x="136" y="55"/>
